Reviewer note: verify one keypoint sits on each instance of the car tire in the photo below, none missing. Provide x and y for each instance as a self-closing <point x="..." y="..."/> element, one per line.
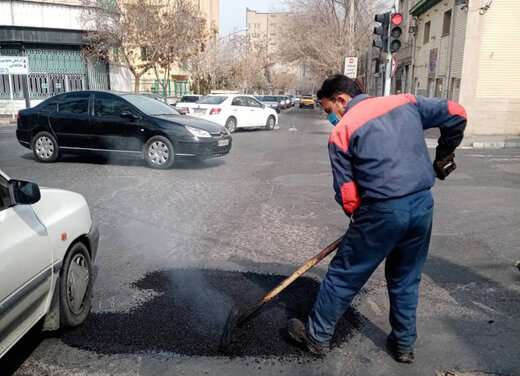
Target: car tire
<point x="45" y="147"/>
<point x="231" y="124"/>
<point x="270" y="123"/>
<point x="159" y="153"/>
<point x="75" y="292"/>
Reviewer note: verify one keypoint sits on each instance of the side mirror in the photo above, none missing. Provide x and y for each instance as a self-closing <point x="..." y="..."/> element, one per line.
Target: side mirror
<point x="24" y="192"/>
<point x="129" y="115"/>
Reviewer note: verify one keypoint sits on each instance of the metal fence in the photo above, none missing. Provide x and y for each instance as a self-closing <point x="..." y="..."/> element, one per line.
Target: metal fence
<point x="54" y="71"/>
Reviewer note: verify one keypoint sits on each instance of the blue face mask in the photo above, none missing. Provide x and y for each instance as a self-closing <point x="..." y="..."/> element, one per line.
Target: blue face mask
<point x="333" y="118"/>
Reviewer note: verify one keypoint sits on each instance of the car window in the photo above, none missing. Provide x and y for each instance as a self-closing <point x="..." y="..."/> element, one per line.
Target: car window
<point x="149" y="105"/>
<point x="189" y="99"/>
<point x="48" y="106"/>
<point x="212" y="99"/>
<point x="239" y="101"/>
<point x="74" y="105"/>
<point x="4" y="194"/>
<point x="110" y="106"/>
<point x="252" y="102"/>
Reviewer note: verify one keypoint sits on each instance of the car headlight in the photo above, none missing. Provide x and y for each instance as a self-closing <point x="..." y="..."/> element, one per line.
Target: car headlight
<point x="198" y="132"/>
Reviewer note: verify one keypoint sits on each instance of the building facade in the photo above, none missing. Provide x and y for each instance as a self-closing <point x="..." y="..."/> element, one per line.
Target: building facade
<point x="51" y="35"/>
<point x="464" y="51"/>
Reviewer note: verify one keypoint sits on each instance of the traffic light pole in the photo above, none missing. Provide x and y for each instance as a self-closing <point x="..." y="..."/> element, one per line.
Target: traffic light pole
<point x="388" y="65"/>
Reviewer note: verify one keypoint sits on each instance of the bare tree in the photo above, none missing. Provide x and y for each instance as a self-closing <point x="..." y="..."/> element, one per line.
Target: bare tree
<point x="180" y="33"/>
<point x="321" y="33"/>
<point x="144" y="34"/>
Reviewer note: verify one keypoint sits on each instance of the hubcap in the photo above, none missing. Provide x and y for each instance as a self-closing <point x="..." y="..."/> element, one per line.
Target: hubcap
<point x="44" y="147"/>
<point x="231" y="125"/>
<point x="271" y="122"/>
<point x="158" y="153"/>
<point x="77" y="283"/>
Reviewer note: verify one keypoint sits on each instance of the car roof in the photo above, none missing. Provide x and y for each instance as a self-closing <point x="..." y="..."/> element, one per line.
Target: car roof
<point x="4" y="175"/>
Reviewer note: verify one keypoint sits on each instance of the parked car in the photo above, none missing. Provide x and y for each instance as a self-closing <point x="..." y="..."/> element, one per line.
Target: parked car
<point x="234" y="111"/>
<point x="285" y="101"/>
<point x="96" y="121"/>
<point x="48" y="246"/>
<point x="292" y="98"/>
<point x="181" y="104"/>
<point x="307" y="101"/>
<point x="270" y="101"/>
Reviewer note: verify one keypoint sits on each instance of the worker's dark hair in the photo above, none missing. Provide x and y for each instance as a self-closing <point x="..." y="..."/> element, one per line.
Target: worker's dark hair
<point x="339" y="84"/>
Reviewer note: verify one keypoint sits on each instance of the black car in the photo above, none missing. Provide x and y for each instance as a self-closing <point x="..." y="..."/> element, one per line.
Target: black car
<point x="97" y="121"/>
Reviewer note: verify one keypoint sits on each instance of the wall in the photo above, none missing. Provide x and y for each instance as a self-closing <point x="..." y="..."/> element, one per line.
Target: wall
<point x="57" y="15"/>
<point x="120" y="78"/>
<point x="426" y="74"/>
<point x="490" y="88"/>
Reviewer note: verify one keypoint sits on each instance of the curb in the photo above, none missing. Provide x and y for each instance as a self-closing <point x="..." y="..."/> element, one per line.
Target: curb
<point x="506" y="144"/>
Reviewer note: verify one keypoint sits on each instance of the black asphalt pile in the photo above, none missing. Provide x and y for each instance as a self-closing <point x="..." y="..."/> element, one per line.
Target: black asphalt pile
<point x="188" y="316"/>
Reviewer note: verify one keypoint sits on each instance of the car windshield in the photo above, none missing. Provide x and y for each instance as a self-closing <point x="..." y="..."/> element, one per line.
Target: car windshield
<point x="150" y="106"/>
<point x="212" y="99"/>
<point x="270" y="99"/>
<point x="189" y="99"/>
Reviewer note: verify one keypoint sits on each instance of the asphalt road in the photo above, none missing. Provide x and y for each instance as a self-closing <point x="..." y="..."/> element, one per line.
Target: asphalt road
<point x="180" y="247"/>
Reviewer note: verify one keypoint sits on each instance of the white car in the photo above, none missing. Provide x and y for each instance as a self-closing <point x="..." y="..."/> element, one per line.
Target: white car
<point x="234" y="111"/>
<point x="48" y="244"/>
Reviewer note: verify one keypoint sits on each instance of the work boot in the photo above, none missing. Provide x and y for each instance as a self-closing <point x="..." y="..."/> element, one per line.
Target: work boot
<point x="399" y="355"/>
<point x="300" y="334"/>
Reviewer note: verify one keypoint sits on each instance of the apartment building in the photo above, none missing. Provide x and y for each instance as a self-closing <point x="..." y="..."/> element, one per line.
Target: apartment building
<point x="464" y="50"/>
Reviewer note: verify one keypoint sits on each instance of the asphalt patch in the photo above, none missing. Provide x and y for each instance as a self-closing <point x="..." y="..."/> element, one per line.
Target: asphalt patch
<point x="188" y="315"/>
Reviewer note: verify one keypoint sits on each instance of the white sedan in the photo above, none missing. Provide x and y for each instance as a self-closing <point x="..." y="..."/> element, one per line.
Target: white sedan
<point x="234" y="111"/>
<point x="48" y="244"/>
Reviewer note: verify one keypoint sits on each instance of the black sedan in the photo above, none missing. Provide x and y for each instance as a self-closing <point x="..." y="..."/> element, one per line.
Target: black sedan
<point x="97" y="121"/>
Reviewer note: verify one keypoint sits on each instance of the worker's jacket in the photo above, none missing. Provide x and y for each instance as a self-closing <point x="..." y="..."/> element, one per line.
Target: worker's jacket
<point x="378" y="150"/>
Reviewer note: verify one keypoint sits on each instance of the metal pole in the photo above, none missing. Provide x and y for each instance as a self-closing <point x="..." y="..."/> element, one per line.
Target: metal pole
<point x="388" y="67"/>
<point x="11" y="94"/>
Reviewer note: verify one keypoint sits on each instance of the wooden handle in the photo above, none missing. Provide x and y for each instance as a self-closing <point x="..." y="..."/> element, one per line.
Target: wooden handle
<point x="301" y="270"/>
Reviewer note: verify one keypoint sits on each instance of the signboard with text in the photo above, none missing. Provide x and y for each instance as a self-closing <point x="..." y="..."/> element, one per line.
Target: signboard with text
<point x="351" y="67"/>
<point x="14" y="65"/>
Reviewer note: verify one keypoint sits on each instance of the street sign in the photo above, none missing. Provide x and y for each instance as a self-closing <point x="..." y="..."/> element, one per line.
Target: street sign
<point x="14" y="65"/>
<point x="351" y="67"/>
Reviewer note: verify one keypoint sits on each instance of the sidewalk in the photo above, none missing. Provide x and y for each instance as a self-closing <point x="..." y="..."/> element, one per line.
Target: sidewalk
<point x="7" y="121"/>
<point x="478" y="141"/>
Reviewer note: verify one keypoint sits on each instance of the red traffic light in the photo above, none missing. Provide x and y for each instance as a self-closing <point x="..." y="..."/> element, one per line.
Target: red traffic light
<point x="396" y="19"/>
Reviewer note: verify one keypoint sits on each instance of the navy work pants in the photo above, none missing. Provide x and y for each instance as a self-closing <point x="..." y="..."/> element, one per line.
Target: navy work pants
<point x="396" y="229"/>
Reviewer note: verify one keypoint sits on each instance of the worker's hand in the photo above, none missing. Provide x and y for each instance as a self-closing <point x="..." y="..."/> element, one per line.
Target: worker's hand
<point x="445" y="166"/>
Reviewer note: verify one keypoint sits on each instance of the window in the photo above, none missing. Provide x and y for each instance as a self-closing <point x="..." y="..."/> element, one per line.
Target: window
<point x="148" y="105"/>
<point x="4" y="194"/>
<point x="438" y="87"/>
<point x="109" y="106"/>
<point x="239" y="101"/>
<point x="212" y="99"/>
<point x="145" y="53"/>
<point x="74" y="105"/>
<point x="426" y="37"/>
<point x="251" y="102"/>
<point x="48" y="106"/>
<point x="446" y="23"/>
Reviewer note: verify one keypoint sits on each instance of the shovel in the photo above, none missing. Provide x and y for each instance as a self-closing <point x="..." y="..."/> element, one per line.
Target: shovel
<point x="236" y="319"/>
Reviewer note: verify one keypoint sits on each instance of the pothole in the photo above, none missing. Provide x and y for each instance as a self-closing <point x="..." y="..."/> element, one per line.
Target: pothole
<point x="187" y="316"/>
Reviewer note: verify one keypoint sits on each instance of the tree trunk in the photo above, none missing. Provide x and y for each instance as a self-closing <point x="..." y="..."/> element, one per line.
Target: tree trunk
<point x="137" y="82"/>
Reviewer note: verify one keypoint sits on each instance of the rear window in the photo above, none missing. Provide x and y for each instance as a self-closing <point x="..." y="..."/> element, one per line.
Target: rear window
<point x="189" y="99"/>
<point x="307" y="97"/>
<point x="212" y="99"/>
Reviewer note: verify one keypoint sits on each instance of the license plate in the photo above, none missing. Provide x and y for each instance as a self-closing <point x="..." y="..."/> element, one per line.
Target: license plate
<point x="223" y="142"/>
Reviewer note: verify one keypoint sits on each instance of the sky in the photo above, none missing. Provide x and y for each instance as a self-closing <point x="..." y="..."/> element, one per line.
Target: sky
<point x="233" y="12"/>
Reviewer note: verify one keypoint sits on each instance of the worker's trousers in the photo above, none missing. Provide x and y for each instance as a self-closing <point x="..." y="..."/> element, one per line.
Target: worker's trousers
<point x="396" y="229"/>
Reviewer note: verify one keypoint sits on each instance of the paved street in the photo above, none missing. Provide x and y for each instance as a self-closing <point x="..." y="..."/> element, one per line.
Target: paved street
<point x="179" y="247"/>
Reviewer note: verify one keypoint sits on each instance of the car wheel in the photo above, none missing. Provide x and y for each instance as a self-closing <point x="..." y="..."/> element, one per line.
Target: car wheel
<point x="45" y="147"/>
<point x="231" y="124"/>
<point x="270" y="124"/>
<point x="159" y="153"/>
<point x="75" y="286"/>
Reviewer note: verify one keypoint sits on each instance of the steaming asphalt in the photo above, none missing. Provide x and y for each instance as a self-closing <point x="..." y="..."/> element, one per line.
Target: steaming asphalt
<point x="261" y="211"/>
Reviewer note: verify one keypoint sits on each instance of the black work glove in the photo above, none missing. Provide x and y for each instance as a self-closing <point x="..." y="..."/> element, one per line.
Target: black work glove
<point x="444" y="167"/>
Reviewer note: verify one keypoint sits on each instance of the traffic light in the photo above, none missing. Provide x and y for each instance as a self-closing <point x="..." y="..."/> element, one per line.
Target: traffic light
<point x="395" y="32"/>
<point x="381" y="31"/>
